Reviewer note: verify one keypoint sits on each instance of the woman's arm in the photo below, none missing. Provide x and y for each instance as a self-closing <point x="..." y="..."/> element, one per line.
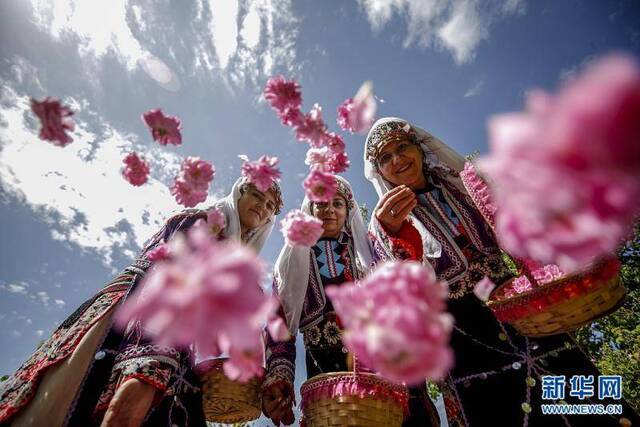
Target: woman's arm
<point x="278" y="395"/>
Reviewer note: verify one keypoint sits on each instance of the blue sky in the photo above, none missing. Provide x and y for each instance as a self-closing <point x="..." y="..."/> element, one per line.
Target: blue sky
<point x="69" y="221"/>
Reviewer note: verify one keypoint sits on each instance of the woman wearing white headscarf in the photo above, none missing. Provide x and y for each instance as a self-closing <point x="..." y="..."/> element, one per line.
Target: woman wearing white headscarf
<point x="88" y="373"/>
<point x="425" y="214"/>
<point x="343" y="254"/>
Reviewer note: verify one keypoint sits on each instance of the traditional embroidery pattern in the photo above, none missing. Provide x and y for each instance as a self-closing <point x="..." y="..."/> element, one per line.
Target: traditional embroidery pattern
<point x="457" y="262"/>
<point x="19" y="389"/>
<point x="147" y="369"/>
<point x="491" y="266"/>
<point x="324" y="335"/>
<point x="312" y="336"/>
<point x="332" y="333"/>
<point x="328" y="258"/>
<point x="434" y="200"/>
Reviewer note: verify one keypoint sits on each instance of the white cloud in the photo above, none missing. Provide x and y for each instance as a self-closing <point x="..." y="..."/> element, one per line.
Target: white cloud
<point x="245" y="39"/>
<point x="224" y="28"/>
<point x="463" y="31"/>
<point x="264" y="40"/>
<point x="475" y="88"/>
<point x="16" y="288"/>
<point x="22" y="72"/>
<point x="59" y="303"/>
<point x="569" y="73"/>
<point x="250" y="32"/>
<point x="39" y="332"/>
<point x="455" y="25"/>
<point x="78" y="190"/>
<point x="100" y="26"/>
<point x="43" y="297"/>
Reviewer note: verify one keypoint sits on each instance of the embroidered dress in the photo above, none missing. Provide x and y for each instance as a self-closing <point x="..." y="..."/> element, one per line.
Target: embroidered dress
<point x="496" y="379"/>
<point x="118" y="355"/>
<point x="330" y="262"/>
<point x="115" y="358"/>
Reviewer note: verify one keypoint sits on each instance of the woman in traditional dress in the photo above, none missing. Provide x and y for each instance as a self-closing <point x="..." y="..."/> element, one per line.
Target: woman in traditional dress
<point x="343" y="254"/>
<point x="425" y="214"/>
<point x="90" y="373"/>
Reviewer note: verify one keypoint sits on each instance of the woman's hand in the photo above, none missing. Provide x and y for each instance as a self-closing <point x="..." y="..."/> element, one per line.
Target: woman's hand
<point x="130" y="404"/>
<point x="394" y="208"/>
<point x="277" y="403"/>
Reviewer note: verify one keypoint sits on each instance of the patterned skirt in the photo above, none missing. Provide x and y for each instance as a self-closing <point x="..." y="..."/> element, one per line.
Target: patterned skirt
<point x="496" y="379"/>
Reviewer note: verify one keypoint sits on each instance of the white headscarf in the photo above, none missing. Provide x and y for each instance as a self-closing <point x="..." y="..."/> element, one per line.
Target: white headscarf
<point x="292" y="267"/>
<point x="229" y="206"/>
<point x="437" y="155"/>
<point x="256" y="240"/>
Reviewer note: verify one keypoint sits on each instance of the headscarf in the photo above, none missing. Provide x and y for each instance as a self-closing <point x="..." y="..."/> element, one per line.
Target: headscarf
<point x="229" y="206"/>
<point x="255" y="240"/>
<point x="292" y="269"/>
<point x="438" y="158"/>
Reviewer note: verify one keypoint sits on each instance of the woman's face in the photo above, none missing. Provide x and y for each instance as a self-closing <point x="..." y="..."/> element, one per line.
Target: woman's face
<point x="255" y="207"/>
<point x="333" y="215"/>
<point x="400" y="163"/>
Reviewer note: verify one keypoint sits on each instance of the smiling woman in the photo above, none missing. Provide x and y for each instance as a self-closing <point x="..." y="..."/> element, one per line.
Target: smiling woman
<point x="255" y="207"/>
<point x="333" y="215"/>
<point x="425" y="214"/>
<point x="89" y="373"/>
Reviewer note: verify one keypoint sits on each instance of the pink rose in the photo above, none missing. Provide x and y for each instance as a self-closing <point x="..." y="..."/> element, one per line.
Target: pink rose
<point x="395" y="322"/>
<point x="216" y="221"/>
<point x="301" y="229"/>
<point x="136" y="170"/>
<point x="283" y="94"/>
<point x="207" y="295"/>
<point x="358" y="114"/>
<point x="199" y="173"/>
<point x="186" y="194"/>
<point x="483" y="289"/>
<point x="164" y="129"/>
<point x="55" y="120"/>
<point x="312" y="128"/>
<point x="320" y="186"/>
<point x="262" y="173"/>
<point x="567" y="170"/>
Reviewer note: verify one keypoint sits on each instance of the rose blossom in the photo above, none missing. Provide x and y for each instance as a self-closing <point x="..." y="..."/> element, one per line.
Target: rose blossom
<point x="164" y="129"/>
<point x="358" y="114"/>
<point x="283" y="94"/>
<point x="320" y="186"/>
<point x="159" y="253"/>
<point x="567" y="170"/>
<point x="312" y="128"/>
<point x="199" y="173"/>
<point x="301" y="229"/>
<point x="262" y="173"/>
<point x="207" y="295"/>
<point x="483" y="289"/>
<point x="186" y="194"/>
<point x="136" y="170"/>
<point x="216" y="221"/>
<point x="335" y="142"/>
<point x="338" y="162"/>
<point x="395" y="322"/>
<point x="55" y="120"/>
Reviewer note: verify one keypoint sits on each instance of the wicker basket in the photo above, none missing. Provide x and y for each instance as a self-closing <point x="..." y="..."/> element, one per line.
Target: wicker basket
<point x="331" y="400"/>
<point x="562" y="305"/>
<point x="227" y="401"/>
